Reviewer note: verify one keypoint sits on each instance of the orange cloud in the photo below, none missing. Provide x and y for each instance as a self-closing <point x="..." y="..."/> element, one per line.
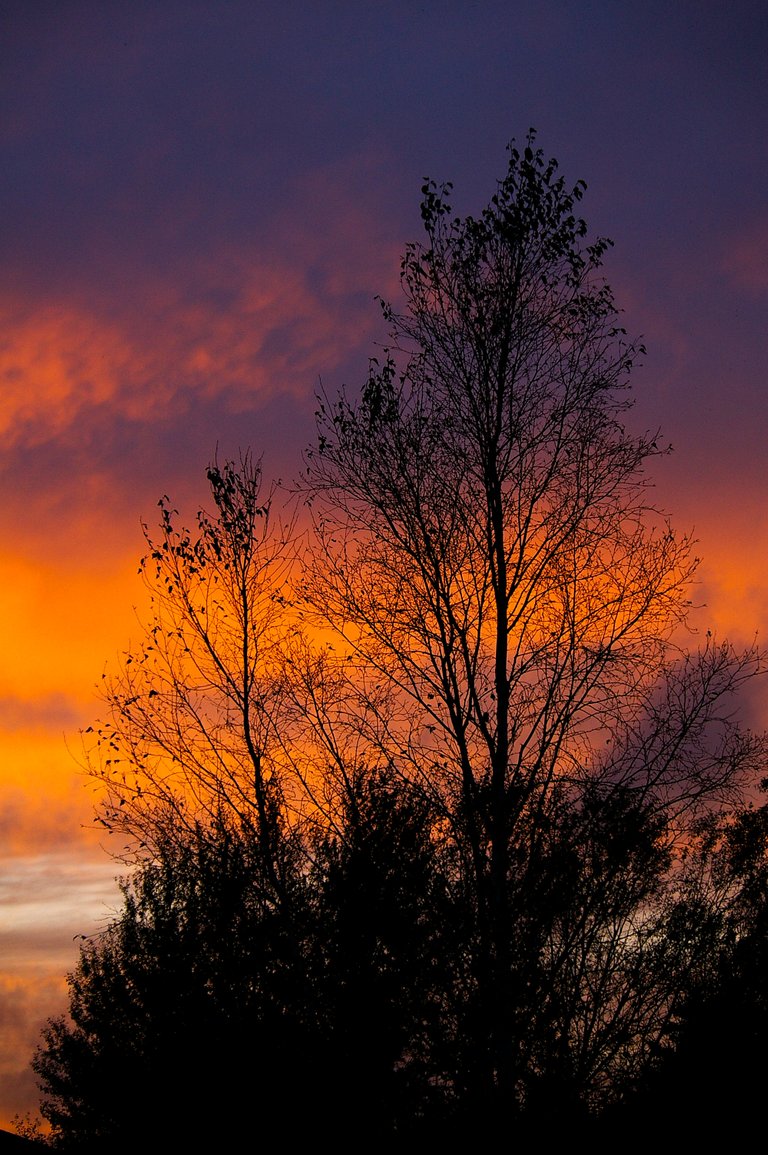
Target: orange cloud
<point x="55" y="363"/>
<point x="733" y="588"/>
<point x="60" y="624"/>
<point x="46" y="804"/>
<point x="234" y="328"/>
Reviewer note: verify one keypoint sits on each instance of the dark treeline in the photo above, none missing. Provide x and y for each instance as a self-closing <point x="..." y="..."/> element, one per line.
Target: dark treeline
<point x="438" y="834"/>
<point x="209" y="1011"/>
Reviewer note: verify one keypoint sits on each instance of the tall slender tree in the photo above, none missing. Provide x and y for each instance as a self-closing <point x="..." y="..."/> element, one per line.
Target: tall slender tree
<point x="508" y="599"/>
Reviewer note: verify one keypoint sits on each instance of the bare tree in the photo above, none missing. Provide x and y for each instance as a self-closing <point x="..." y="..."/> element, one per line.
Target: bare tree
<point x="192" y="731"/>
<point x="507" y="600"/>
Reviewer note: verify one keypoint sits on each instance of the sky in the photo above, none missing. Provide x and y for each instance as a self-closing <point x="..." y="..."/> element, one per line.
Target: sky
<point x="200" y="202"/>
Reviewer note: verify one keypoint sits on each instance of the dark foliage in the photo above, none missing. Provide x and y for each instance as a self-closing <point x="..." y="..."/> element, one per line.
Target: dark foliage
<point x="208" y="1007"/>
<point x="710" y="1076"/>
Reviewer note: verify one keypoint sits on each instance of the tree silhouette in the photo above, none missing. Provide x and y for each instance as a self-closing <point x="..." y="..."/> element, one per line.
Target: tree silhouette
<point x="431" y="788"/>
<point x="192" y="730"/>
<point x="208" y="1011"/>
<point x="188" y="1001"/>
<point x="507" y="599"/>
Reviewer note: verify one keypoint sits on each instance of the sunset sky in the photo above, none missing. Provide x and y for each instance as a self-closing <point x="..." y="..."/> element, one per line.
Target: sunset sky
<point x="200" y="201"/>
